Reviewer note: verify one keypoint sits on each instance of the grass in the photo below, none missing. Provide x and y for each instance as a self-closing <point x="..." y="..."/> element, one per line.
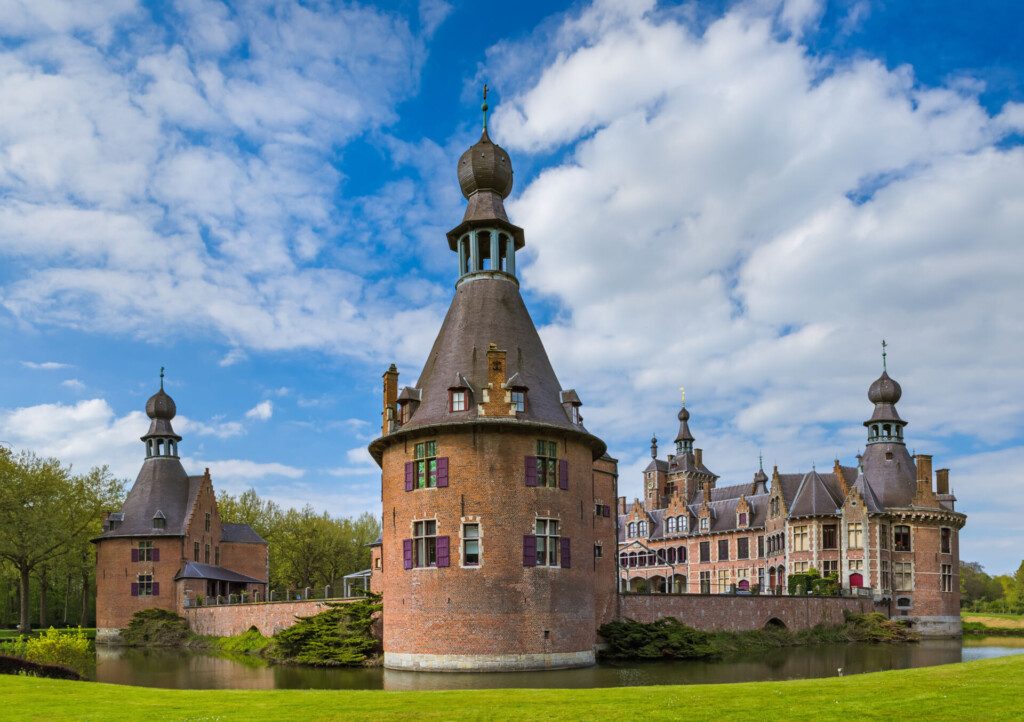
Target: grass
<point x="994" y="620"/>
<point x="986" y="689"/>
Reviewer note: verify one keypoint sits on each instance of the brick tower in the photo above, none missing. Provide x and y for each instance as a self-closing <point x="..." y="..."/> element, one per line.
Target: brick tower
<point x="498" y="545"/>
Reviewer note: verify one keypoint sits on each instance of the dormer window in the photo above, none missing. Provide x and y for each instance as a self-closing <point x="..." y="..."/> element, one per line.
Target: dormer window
<point x="641" y="529"/>
<point x="519" y="400"/>
<point x="671" y="525"/>
<point x="459" y="400"/>
<point x="576" y="418"/>
<point x="632" y="529"/>
<point x="683" y="522"/>
<point x="159" y="522"/>
<point x="741" y="519"/>
<point x="705" y="524"/>
<point x="113" y="524"/>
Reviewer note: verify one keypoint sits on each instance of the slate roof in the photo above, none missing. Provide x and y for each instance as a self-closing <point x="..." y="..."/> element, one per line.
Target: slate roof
<point x="893" y="480"/>
<point x="195" y="570"/>
<point x="723" y="516"/>
<point x="162" y="485"/>
<point x="870" y="498"/>
<point x="814" y="498"/>
<point x="240" y="534"/>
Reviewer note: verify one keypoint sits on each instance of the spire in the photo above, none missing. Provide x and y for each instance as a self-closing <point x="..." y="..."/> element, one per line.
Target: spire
<point x="160" y="440"/>
<point x="684" y="439"/>
<point x="484" y="108"/>
<point x="884" y="367"/>
<point x="161" y="378"/>
<point x="654" y="447"/>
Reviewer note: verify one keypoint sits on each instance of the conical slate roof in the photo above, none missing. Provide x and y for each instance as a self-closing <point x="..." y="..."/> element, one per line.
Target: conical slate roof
<point x="813" y="498"/>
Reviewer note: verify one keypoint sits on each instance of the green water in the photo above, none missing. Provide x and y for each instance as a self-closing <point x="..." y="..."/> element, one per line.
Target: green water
<point x="190" y="670"/>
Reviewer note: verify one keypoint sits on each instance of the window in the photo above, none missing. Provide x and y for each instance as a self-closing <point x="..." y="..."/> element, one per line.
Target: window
<point x="705" y="582"/>
<point x="855" y="535"/>
<point x="723" y="550"/>
<point x="682" y="523"/>
<point x="206" y="554"/>
<point x="903" y="576"/>
<point x="681" y="555"/>
<point x="829" y="537"/>
<point x="723" y="580"/>
<point x="598" y="509"/>
<point x="641" y="529"/>
<point x="424" y="543"/>
<point x="206" y="522"/>
<point x="671" y="525"/>
<point x="195" y="551"/>
<point x="856" y="565"/>
<point x="146" y="551"/>
<point x="800" y="567"/>
<point x="775" y="506"/>
<point x="598" y="551"/>
<point x="829" y="567"/>
<point x="146" y="585"/>
<point x="945" y="540"/>
<point x="800" y="539"/>
<point x="883" y="536"/>
<point x="547" y="543"/>
<point x="216" y="556"/>
<point x="885" y="583"/>
<point x="705" y="523"/>
<point x="426" y="464"/>
<point x="741" y="519"/>
<point x="901" y="538"/>
<point x="159" y="522"/>
<point x="470" y="545"/>
<point x="547" y="463"/>
<point x="632" y="529"/>
<point x="705" y="551"/>
<point x="743" y="548"/>
<point x="947" y="577"/>
<point x="458" y="400"/>
<point x="519" y="400"/>
<point x="760" y="577"/>
<point x="760" y="547"/>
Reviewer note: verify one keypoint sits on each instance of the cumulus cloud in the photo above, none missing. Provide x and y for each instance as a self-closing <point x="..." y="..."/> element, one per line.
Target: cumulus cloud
<point x="731" y="211"/>
<point x="261" y="411"/>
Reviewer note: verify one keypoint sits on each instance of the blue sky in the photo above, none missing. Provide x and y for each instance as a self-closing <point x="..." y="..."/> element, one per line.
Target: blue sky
<point x="740" y="197"/>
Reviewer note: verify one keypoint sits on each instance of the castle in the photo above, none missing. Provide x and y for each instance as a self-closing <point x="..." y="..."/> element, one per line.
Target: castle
<point x="167" y="547"/>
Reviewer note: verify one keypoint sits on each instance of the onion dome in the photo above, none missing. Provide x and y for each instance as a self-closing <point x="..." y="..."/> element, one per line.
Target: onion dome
<point x="684" y="428"/>
<point x="884" y="390"/>
<point x="485" y="166"/>
<point x="161" y="406"/>
<point x="161" y="409"/>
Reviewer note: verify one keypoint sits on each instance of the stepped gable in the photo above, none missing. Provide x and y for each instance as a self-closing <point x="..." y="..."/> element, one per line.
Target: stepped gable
<point x="813" y="498"/>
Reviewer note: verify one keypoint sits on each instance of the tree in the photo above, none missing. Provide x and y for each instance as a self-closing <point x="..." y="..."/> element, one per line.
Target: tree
<point x="45" y="511"/>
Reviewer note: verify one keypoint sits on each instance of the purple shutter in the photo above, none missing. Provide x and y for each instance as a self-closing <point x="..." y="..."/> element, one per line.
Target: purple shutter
<point x="156" y="554"/>
<point x="531" y="471"/>
<point x="566" y="553"/>
<point x="135" y="589"/>
<point x="443" y="559"/>
<point x="563" y="473"/>
<point x="156" y="589"/>
<point x="442" y="474"/>
<point x="606" y="511"/>
<point x="135" y="554"/>
<point x="407" y="553"/>
<point x="408" y="476"/>
<point x="529" y="549"/>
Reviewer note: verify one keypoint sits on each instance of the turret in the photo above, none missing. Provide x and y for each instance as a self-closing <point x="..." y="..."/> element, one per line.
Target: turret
<point x="160" y="440"/>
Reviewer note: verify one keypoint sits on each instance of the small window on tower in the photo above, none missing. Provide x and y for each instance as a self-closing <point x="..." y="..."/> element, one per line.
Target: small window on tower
<point x="519" y="399"/>
<point x="458" y="400"/>
<point x="159" y="522"/>
<point x="206" y="524"/>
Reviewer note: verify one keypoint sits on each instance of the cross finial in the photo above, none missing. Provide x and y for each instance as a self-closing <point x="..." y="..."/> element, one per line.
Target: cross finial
<point x="884" y="344"/>
<point x="682" y="393"/>
<point x="760" y="461"/>
<point x="161" y="378"/>
<point x="485" y="107"/>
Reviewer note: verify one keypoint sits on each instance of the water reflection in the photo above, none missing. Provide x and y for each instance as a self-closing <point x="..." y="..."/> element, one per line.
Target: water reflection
<point x="190" y="670"/>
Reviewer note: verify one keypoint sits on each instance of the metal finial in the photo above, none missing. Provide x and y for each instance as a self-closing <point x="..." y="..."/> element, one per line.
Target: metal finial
<point x="760" y="461"/>
<point x="161" y="378"/>
<point x="485" y="107"/>
<point x="884" y="344"/>
<point x="682" y="392"/>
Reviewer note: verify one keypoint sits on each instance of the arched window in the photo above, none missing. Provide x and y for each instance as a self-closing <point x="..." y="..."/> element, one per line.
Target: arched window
<point x="682" y="523"/>
<point x="632" y="559"/>
<point x="641" y="529"/>
<point x="641" y="559"/>
<point x="705" y="523"/>
<point x="632" y="529"/>
<point x="682" y="555"/>
<point x="651" y="558"/>
<point x="623" y="560"/>
<point x="741" y="519"/>
<point x="671" y="525"/>
<point x="672" y="555"/>
<point x="660" y="555"/>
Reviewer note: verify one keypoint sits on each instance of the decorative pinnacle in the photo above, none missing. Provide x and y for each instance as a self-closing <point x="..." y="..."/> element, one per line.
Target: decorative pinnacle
<point x="884" y="344"/>
<point x="682" y="393"/>
<point x="161" y="378"/>
<point x="760" y="461"/>
<point x="485" y="107"/>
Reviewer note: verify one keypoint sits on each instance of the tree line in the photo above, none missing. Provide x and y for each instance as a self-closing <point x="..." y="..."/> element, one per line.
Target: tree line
<point x="49" y="514"/>
<point x="979" y="592"/>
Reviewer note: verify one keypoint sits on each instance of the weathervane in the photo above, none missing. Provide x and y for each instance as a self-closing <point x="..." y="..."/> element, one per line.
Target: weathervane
<point x="682" y="392"/>
<point x="884" y="344"/>
<point x="484" y="107"/>
<point x="161" y="378"/>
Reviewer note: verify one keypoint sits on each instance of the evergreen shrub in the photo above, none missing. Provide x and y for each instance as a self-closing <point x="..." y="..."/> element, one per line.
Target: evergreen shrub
<point x="156" y="628"/>
<point x="339" y="636"/>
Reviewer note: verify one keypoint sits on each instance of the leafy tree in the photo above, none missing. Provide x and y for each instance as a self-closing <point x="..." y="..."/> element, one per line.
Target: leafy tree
<point x="46" y="512"/>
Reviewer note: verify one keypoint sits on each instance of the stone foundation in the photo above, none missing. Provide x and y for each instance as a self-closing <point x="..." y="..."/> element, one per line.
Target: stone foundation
<point x="936" y="626"/>
<point x="487" y="662"/>
<point x="107" y="635"/>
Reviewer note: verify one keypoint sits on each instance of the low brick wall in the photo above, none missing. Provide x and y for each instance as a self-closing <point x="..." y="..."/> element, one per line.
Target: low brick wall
<point x="738" y="613"/>
<point x="268" y="617"/>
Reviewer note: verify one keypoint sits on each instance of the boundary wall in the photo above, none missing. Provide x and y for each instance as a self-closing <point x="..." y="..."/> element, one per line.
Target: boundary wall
<point x="268" y="617"/>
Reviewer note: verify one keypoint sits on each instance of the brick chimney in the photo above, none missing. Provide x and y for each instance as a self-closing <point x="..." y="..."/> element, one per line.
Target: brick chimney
<point x="497" y="401"/>
<point x="620" y="505"/>
<point x="924" y="472"/>
<point x="942" y="481"/>
<point x="387" y="416"/>
<point x="698" y="457"/>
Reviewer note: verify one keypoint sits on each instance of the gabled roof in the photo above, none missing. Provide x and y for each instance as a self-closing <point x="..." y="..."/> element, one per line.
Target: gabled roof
<point x="720" y="493"/>
<point x="868" y="493"/>
<point x="813" y="498"/>
<point x="240" y="534"/>
<point x="195" y="570"/>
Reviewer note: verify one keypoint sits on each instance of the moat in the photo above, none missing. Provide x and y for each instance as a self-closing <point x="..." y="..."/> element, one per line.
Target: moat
<point x="190" y="670"/>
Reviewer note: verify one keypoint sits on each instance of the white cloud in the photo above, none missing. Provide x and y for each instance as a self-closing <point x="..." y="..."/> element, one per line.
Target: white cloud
<point x="45" y="365"/>
<point x="233" y="471"/>
<point x="261" y="411"/>
<point x="232" y="357"/>
<point x="73" y="384"/>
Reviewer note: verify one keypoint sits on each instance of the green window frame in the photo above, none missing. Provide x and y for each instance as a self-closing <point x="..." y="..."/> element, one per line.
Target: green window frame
<point x="547" y="463"/>
<point x="425" y="465"/>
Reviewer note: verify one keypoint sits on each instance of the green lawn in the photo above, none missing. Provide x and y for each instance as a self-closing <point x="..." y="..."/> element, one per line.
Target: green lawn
<point x="988" y="689"/>
<point x="994" y="619"/>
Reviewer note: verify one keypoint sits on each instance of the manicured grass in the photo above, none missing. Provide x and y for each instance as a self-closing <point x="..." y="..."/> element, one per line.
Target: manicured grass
<point x="994" y="620"/>
<point x="987" y="689"/>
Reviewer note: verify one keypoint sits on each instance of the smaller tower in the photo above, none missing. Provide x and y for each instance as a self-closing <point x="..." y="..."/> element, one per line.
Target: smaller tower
<point x="160" y="440"/>
<point x="684" y="439"/>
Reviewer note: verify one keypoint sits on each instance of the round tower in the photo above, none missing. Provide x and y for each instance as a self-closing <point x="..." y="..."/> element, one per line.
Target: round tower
<point x="489" y="529"/>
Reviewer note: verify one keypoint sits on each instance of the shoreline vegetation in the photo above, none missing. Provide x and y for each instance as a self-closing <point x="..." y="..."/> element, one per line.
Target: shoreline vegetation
<point x="990" y="624"/>
<point x="985" y="689"/>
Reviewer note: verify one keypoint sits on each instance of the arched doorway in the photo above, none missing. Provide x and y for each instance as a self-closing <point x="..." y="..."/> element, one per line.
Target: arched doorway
<point x="856" y="580"/>
<point x="656" y="584"/>
<point x="679" y="584"/>
<point x="638" y="585"/>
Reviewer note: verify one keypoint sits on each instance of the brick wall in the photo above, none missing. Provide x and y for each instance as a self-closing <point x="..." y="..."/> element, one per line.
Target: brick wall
<point x="115" y="573"/>
<point x="268" y="618"/>
<point x="739" y="613"/>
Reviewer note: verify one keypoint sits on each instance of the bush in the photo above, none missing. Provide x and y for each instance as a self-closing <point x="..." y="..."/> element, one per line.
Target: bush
<point x="667" y="638"/>
<point x="17" y="665"/>
<point x="156" y="628"/>
<point x="339" y="636"/>
<point x="69" y="650"/>
<point x="248" y="642"/>
<point x="876" y="627"/>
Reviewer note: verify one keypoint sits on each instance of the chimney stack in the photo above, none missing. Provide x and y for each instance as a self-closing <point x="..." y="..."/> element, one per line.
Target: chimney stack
<point x="924" y="471"/>
<point x="387" y="416"/>
<point x="620" y="505"/>
<point x="698" y="457"/>
<point x="942" y="481"/>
